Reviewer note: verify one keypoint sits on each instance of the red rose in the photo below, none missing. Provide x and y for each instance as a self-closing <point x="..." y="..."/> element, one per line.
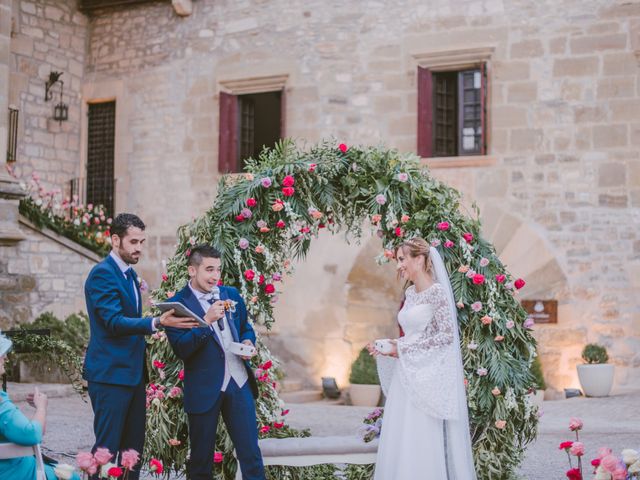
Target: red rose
<point x="284" y="412"/>
<point x="278" y="424"/>
<point x="500" y="278"/>
<point x="181" y="374"/>
<point x="595" y="462"/>
<point x="265" y="429"/>
<point x="519" y="283"/>
<point x="261" y="279"/>
<point x="574" y="474"/>
<point x="251" y="202"/>
<point x="269" y="289"/>
<point x="288" y="181"/>
<point x="442" y="226"/>
<point x="478" y="279"/>
<point x="115" y="472"/>
<point x="107" y="233"/>
<point x="305" y="230"/>
<point x="155" y="466"/>
<point x="565" y="445"/>
<point x="165" y="277"/>
<point x="280" y="224"/>
<point x="321" y="225"/>
<point x="288" y="191"/>
<point x="266" y="365"/>
<point x="239" y="218"/>
<point x="218" y="457"/>
<point x="343" y="148"/>
<point x="220" y="284"/>
<point x="249" y="275"/>
<point x="399" y="232"/>
<point x="159" y="365"/>
<point x="312" y="167"/>
<point x="468" y="237"/>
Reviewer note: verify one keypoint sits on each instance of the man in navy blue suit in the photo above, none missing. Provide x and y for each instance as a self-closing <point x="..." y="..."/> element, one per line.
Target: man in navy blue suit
<point x="216" y="380"/>
<point x="115" y="360"/>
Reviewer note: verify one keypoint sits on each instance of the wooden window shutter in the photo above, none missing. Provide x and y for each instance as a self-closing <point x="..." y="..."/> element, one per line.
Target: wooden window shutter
<point x="483" y="109"/>
<point x="228" y="133"/>
<point x="283" y="115"/>
<point x="425" y="112"/>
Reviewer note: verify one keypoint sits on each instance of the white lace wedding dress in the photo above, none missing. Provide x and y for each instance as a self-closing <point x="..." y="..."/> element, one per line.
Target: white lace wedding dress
<point x="422" y="397"/>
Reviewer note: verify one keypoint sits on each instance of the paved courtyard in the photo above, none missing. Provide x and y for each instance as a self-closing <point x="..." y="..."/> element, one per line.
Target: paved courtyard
<point x="613" y="421"/>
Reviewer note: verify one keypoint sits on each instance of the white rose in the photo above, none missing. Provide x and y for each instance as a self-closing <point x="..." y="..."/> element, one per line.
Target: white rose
<point x="630" y="456"/>
<point x="602" y="474"/>
<point x="64" y="471"/>
<point x="39" y="202"/>
<point x="635" y="468"/>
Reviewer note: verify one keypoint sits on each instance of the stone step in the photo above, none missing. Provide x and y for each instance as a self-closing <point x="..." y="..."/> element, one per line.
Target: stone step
<point x="18" y="391"/>
<point x="302" y="396"/>
<point x="291" y="385"/>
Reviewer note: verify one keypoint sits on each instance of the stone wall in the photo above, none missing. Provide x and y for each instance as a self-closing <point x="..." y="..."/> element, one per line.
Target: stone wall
<point x="47" y="35"/>
<point x="44" y="272"/>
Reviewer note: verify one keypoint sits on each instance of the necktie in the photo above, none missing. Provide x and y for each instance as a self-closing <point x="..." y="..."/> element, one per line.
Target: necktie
<point x="209" y="298"/>
<point x="129" y="274"/>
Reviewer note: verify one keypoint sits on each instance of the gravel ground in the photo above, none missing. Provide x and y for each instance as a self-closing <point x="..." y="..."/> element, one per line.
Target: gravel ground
<point x="613" y="421"/>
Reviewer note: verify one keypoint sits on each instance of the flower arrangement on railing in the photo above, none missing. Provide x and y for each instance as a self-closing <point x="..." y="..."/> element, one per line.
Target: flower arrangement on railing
<point x="99" y="463"/>
<point x="606" y="465"/>
<point x="371" y="426"/>
<point x="87" y="225"/>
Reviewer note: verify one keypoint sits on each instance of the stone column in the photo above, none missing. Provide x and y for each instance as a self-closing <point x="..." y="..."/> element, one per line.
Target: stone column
<point x="10" y="192"/>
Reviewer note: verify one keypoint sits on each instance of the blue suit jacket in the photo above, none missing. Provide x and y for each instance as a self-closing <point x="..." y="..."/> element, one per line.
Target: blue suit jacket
<point x="203" y="356"/>
<point x="116" y="347"/>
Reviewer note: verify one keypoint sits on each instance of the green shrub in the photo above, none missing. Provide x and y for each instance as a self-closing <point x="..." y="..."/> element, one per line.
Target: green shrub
<point x="364" y="370"/>
<point x="74" y="330"/>
<point x="536" y="371"/>
<point x="594" y="353"/>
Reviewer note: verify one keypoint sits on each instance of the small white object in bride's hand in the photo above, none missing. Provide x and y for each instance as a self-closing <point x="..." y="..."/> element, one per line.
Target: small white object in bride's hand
<point x="384" y="346"/>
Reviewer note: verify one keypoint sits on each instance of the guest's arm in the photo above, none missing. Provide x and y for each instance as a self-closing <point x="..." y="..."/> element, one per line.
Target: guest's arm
<point x="15" y="427"/>
<point x="246" y="330"/>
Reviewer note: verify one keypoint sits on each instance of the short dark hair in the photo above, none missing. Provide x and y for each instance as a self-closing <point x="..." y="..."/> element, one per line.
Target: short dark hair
<point x="123" y="222"/>
<point x="202" y="251"/>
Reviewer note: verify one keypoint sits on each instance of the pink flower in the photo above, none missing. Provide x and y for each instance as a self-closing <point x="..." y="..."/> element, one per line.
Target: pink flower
<point x="288" y="191"/>
<point x="102" y="456"/>
<point x="375" y="219"/>
<point x="405" y="218"/>
<point x="251" y="202"/>
<point x="478" y="279"/>
<point x="468" y="237"/>
<point x="280" y="224"/>
<point x="500" y="278"/>
<point x="519" y="283"/>
<point x="246" y="213"/>
<point x="265" y="182"/>
<point x="175" y="392"/>
<point x="129" y="459"/>
<point x="448" y="244"/>
<point x="398" y="232"/>
<point x="381" y="199"/>
<point x="288" y="181"/>
<point x="476" y="306"/>
<point x="249" y="275"/>
<point x="577" y="449"/>
<point x="276" y="277"/>
<point x="181" y="374"/>
<point x="86" y="462"/>
<point x="259" y="248"/>
<point x="265" y="429"/>
<point x="343" y="148"/>
<point x="484" y="262"/>
<point x="442" y="226"/>
<point x="218" y="457"/>
<point x="486" y="320"/>
<point x="565" y="445"/>
<point x="159" y="365"/>
<point x="500" y="424"/>
<point x="610" y="463"/>
<point x="278" y="425"/>
<point x="269" y="289"/>
<point x="312" y="167"/>
<point x="482" y="372"/>
<point x="243" y="243"/>
<point x="266" y="365"/>
<point x="575" y="424"/>
<point x="509" y="324"/>
<point x="115" y="472"/>
<point x="403" y="177"/>
<point x="239" y="218"/>
<point x="574" y="474"/>
<point x="595" y="462"/>
<point x="435" y="243"/>
<point x="603" y="452"/>
<point x="619" y="473"/>
<point x="174" y="442"/>
<point x="528" y="323"/>
<point x="155" y="466"/>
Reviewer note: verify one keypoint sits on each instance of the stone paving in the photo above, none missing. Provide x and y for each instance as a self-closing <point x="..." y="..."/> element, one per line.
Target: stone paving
<point x="613" y="421"/>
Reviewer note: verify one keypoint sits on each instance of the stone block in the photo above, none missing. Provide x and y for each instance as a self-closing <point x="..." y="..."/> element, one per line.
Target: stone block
<point x="618" y="87"/>
<point x="625" y="110"/>
<point x="527" y="49"/>
<point x="509" y="116"/>
<point x="610" y="136"/>
<point x="576" y="67"/>
<point x="510" y="71"/>
<point x="558" y="45"/>
<point x="613" y="201"/>
<point x="523" y="139"/>
<point x="612" y="175"/>
<point x="525" y="92"/>
<point x="623" y="63"/>
<point x="53" y="13"/>
<point x="596" y="43"/>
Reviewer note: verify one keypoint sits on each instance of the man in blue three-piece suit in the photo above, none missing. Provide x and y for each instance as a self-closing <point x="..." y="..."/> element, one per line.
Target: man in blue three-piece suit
<point x="115" y="363"/>
<point x="216" y="380"/>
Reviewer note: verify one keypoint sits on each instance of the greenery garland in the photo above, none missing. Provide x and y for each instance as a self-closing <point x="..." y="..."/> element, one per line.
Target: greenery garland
<point x="265" y="219"/>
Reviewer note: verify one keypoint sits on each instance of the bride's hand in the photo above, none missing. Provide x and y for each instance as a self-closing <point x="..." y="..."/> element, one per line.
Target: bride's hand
<point x="394" y="350"/>
<point x="372" y="349"/>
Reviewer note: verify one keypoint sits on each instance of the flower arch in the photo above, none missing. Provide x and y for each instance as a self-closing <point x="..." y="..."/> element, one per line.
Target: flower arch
<point x="266" y="218"/>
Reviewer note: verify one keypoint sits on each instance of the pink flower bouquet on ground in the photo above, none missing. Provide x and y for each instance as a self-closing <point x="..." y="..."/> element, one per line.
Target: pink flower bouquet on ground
<point x="606" y="465"/>
<point x="100" y="463"/>
<point x="372" y="425"/>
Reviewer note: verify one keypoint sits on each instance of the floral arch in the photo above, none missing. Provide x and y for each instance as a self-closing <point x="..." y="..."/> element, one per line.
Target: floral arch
<point x="265" y="219"/>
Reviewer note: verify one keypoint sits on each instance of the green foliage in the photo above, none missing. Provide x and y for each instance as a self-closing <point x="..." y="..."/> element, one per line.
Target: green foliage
<point x="338" y="191"/>
<point x="74" y="330"/>
<point x="595" y="353"/>
<point x="536" y="371"/>
<point x="364" y="370"/>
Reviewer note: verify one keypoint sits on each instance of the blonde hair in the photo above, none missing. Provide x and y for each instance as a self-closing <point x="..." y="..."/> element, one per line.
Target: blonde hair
<point x="416" y="247"/>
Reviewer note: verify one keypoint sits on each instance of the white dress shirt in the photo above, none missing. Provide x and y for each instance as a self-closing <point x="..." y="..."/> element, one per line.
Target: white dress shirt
<point x="234" y="366"/>
<point x="124" y="266"/>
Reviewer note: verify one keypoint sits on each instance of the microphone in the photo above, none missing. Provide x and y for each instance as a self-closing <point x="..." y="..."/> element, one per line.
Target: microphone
<point x="215" y="293"/>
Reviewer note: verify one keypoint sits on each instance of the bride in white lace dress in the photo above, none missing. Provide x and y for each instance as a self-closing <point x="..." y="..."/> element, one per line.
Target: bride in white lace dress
<point x="425" y="430"/>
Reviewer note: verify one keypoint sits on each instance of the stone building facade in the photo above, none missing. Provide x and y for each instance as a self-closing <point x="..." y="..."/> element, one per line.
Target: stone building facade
<point x="558" y="187"/>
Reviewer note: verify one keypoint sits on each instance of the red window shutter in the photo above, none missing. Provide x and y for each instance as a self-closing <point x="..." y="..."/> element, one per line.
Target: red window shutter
<point x="283" y="115"/>
<point x="228" y="134"/>
<point x="425" y="112"/>
<point x="483" y="108"/>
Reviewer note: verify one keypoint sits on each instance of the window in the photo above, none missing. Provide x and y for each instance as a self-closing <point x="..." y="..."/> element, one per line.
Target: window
<point x="452" y="112"/>
<point x="248" y="123"/>
<point x="101" y="134"/>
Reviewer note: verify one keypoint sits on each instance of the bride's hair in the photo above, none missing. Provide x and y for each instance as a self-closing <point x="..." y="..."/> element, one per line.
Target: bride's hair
<point x="416" y="247"/>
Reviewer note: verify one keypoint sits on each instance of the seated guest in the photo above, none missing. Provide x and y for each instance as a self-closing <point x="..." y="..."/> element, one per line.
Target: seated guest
<point x="16" y="428"/>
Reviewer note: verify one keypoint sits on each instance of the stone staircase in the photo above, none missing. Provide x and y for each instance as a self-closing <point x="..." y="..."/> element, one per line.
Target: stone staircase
<point x="293" y="391"/>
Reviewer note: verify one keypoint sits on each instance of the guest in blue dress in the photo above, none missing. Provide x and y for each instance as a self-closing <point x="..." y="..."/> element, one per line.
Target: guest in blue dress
<point x="16" y="428"/>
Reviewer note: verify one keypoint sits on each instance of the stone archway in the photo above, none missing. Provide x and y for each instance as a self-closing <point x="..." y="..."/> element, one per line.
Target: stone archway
<point x="271" y="215"/>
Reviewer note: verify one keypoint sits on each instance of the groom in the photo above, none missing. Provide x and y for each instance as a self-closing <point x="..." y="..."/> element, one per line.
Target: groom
<point x="216" y="380"/>
<point x="115" y="360"/>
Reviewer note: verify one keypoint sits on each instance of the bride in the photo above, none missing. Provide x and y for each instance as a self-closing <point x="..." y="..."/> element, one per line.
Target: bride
<point x="425" y="432"/>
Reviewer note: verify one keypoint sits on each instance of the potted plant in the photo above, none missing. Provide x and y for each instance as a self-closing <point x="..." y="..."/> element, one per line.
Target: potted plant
<point x="596" y="375"/>
<point x="539" y="383"/>
<point x="365" y="384"/>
